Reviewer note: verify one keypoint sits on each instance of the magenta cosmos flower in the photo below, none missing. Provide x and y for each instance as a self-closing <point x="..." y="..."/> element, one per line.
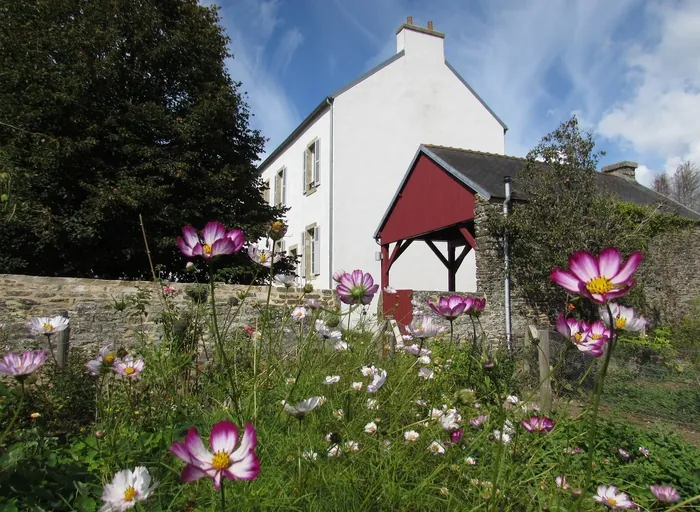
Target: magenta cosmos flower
<point x="21" y="366"/>
<point x="589" y="339"/>
<point x="215" y="240"/>
<point x="538" y="425"/>
<point x="227" y="460"/>
<point x="665" y="493"/>
<point x="448" y="307"/>
<point x="600" y="279"/>
<point x="475" y="306"/>
<point x="356" y="288"/>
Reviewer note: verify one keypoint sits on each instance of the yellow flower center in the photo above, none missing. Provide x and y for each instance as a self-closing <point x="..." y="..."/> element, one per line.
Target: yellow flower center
<point x="596" y="336"/>
<point x="109" y="359"/>
<point x="263" y="257"/>
<point x="130" y="493"/>
<point x="620" y="323"/>
<point x="577" y="337"/>
<point x="49" y="327"/>
<point x="611" y="501"/>
<point x="221" y="460"/>
<point x="129" y="370"/>
<point x="599" y="285"/>
<point x="206" y="248"/>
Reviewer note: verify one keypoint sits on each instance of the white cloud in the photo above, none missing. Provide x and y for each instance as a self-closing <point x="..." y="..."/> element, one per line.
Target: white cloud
<point x="254" y="27"/>
<point x="659" y="120"/>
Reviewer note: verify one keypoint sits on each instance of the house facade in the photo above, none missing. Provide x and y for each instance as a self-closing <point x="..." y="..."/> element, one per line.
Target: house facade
<point x="340" y="168"/>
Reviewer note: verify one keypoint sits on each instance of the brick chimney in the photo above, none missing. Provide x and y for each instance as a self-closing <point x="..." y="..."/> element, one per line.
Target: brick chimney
<point x="623" y="169"/>
<point x="420" y="42"/>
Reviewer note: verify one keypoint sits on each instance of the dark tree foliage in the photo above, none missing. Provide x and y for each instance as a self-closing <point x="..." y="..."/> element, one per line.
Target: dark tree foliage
<point x="111" y="109"/>
<point x="560" y="211"/>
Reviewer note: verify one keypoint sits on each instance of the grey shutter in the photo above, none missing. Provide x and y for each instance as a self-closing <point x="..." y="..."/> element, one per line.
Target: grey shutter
<point x="317" y="162"/>
<point x="284" y="186"/>
<point x="303" y="173"/>
<point x="302" y="254"/>
<point x="317" y="252"/>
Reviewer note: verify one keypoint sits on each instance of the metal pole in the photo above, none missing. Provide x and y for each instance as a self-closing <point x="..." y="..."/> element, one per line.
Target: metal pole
<point x="506" y="263"/>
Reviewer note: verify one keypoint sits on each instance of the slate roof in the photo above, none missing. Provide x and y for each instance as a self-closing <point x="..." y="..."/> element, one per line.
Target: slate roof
<point x="484" y="172"/>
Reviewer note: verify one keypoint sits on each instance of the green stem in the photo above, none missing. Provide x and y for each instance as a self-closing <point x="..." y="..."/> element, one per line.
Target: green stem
<point x="452" y="332"/>
<point x="299" y="450"/>
<point x="266" y="314"/>
<point x="223" y="494"/>
<point x="220" y="346"/>
<point x="14" y="418"/>
<point x="598" y="393"/>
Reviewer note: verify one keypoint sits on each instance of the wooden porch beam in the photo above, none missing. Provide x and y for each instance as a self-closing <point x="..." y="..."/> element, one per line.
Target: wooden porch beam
<point x="462" y="255"/>
<point x="399" y="249"/>
<point x="468" y="236"/>
<point x="438" y="253"/>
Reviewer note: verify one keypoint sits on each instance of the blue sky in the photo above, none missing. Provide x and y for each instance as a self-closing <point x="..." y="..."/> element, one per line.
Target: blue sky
<point x="628" y="68"/>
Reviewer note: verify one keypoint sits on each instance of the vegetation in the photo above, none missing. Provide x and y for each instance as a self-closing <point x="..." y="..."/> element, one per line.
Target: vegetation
<point x="682" y="186"/>
<point x="111" y="110"/>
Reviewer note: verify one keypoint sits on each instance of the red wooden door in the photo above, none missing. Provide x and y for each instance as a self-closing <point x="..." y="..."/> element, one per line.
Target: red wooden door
<point x="399" y="306"/>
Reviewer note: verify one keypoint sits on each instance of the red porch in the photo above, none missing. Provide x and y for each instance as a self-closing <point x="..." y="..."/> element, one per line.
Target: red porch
<point x="433" y="204"/>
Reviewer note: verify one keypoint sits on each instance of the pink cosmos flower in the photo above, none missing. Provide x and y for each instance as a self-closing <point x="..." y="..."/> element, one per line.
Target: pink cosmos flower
<point x="572" y="329"/>
<point x="589" y="339"/>
<point x="561" y="482"/>
<point x="538" y="425"/>
<point x="625" y="318"/>
<point x="214" y="241"/>
<point x="609" y="496"/>
<point x="356" y="288"/>
<point x="479" y="420"/>
<point x="423" y="327"/>
<point x="129" y="367"/>
<point x="226" y="460"/>
<point x="600" y="279"/>
<point x="665" y="493"/>
<point x="456" y="436"/>
<point x="338" y="275"/>
<point x="21" y="366"/>
<point x="450" y="307"/>
<point x="476" y="307"/>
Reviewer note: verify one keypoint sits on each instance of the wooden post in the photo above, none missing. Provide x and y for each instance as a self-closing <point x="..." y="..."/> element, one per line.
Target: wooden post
<point x="63" y="345"/>
<point x="545" y="377"/>
<point x="451" y="267"/>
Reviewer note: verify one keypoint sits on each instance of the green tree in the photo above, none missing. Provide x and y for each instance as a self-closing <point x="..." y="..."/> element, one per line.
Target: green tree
<point x="559" y="209"/>
<point x="112" y="109"/>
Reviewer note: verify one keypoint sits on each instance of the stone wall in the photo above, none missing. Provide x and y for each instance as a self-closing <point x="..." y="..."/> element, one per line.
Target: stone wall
<point x="670" y="274"/>
<point x="95" y="321"/>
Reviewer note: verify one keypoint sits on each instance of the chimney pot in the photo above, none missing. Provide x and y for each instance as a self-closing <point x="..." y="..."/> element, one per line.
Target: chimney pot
<point x="624" y="169"/>
<point x="430" y="25"/>
<point x="409" y="20"/>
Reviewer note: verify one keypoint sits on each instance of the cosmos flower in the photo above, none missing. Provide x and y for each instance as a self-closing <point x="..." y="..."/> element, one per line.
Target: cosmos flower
<point x="423" y="327"/>
<point x="338" y="274"/>
<point x="309" y="455"/>
<point x="304" y="407"/>
<point x="665" y="493"/>
<point x="263" y="257"/>
<point x="561" y="482"/>
<point x="538" y="424"/>
<point x="450" y="421"/>
<point x="105" y="360"/>
<point x="377" y="381"/>
<point x="609" y="496"/>
<point x="479" y="420"/>
<point x="450" y="308"/>
<point x="227" y="460"/>
<point x="625" y="318"/>
<point x="356" y="288"/>
<point x="214" y="241"/>
<point x="285" y="280"/>
<point x="20" y="366"/>
<point x="411" y="436"/>
<point x="331" y="379"/>
<point x="357" y="386"/>
<point x="372" y="403"/>
<point x="470" y="461"/>
<point x="436" y="448"/>
<point x="371" y="427"/>
<point x="48" y="325"/>
<point x="126" y="489"/>
<point x="299" y="313"/>
<point x="340" y="346"/>
<point x="600" y="279"/>
<point x="426" y="373"/>
<point x="128" y="367"/>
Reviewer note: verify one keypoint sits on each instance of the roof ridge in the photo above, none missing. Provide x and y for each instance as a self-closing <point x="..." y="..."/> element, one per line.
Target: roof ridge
<point x="476" y="152"/>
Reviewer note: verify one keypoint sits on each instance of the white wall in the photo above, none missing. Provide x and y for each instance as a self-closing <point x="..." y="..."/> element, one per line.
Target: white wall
<point x="306" y="209"/>
<point x="379" y="125"/>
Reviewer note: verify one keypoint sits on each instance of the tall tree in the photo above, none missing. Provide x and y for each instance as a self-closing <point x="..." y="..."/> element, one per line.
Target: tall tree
<point x="683" y="186"/>
<point x="112" y="109"/>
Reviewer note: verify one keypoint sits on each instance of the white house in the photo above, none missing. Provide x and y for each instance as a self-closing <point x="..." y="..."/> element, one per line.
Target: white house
<point x="340" y="168"/>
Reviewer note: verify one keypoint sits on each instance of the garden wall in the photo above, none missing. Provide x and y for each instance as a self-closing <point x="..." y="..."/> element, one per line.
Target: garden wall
<point x="94" y="319"/>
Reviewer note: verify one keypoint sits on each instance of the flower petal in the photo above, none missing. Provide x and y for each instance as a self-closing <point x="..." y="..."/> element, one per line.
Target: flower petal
<point x="191" y="473"/>
<point x="245" y="469"/>
<point x="609" y="262"/>
<point x="584" y="266"/>
<point x="224" y="437"/>
<point x="190" y="236"/>
<point x="223" y="246"/>
<point x="565" y="280"/>
<point x="628" y="268"/>
<point x="184" y="248"/>
<point x="212" y="232"/>
<point x="196" y="448"/>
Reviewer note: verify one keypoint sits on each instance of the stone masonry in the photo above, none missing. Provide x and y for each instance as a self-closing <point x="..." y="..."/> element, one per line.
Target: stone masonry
<point x="94" y="320"/>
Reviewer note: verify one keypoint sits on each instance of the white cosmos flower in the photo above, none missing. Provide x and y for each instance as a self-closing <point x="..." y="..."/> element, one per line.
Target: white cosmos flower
<point x="424" y="360"/>
<point x="435" y="413"/>
<point x="470" y="461"/>
<point x="372" y="403"/>
<point x="357" y="386"/>
<point x="340" y="346"/>
<point x="377" y="381"/>
<point x="352" y="446"/>
<point x="411" y="435"/>
<point x="331" y="379"/>
<point x="126" y="489"/>
<point x="625" y="318"/>
<point x="371" y="427"/>
<point x="338" y="414"/>
<point x="47" y="325"/>
<point x="334" y="451"/>
<point x="285" y="280"/>
<point x="436" y="448"/>
<point x="304" y="407"/>
<point x="299" y="313"/>
<point x="450" y="420"/>
<point x="426" y="373"/>
<point x="368" y="371"/>
<point x="503" y="437"/>
<point x="310" y="455"/>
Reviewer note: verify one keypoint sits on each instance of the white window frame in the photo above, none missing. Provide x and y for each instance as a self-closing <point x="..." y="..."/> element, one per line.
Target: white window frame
<point x="283" y="183"/>
<point x="310" y="185"/>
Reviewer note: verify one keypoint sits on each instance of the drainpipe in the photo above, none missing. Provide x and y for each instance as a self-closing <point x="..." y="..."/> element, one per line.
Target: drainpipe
<point x="329" y="101"/>
<point x="506" y="262"/>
